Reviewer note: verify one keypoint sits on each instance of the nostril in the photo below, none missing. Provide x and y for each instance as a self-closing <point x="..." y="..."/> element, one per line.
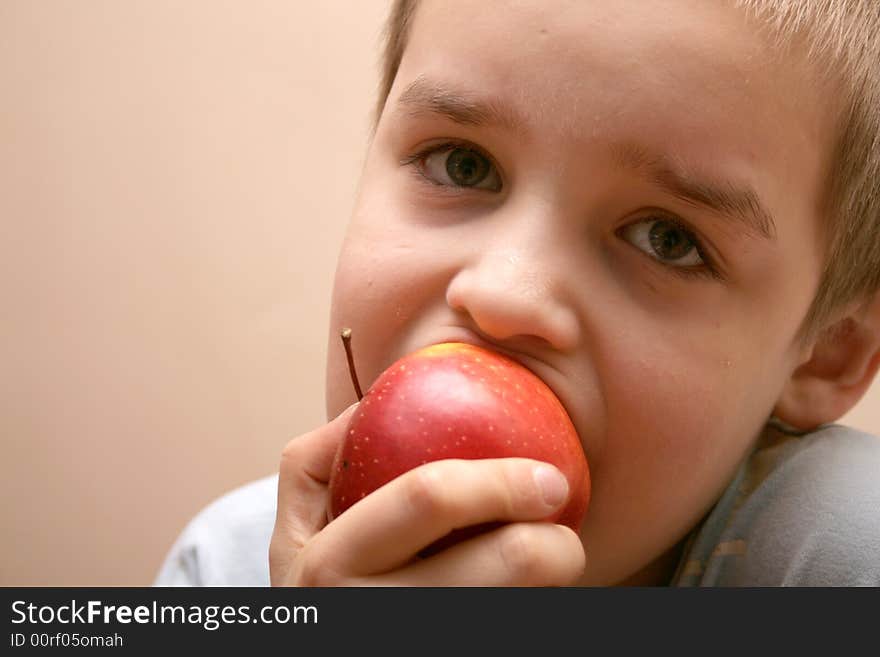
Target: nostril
<point x="507" y="294"/>
<point x="504" y="317"/>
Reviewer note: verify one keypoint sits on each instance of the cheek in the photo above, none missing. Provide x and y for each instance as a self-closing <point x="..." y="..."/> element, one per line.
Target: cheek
<point x="679" y="418"/>
<point x="689" y="396"/>
<point x="373" y="307"/>
<point x="373" y="299"/>
<point x="664" y="426"/>
<point x="687" y="411"/>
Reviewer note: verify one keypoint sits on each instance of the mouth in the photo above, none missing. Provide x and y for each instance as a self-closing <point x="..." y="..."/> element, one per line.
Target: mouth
<point x="545" y="371"/>
<point x="468" y="336"/>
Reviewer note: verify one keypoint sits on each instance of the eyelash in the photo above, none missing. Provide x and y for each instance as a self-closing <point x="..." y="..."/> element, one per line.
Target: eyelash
<point x="707" y="270"/>
<point x="416" y="161"/>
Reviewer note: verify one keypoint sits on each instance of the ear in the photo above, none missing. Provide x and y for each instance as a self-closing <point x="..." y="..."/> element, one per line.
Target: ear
<point x="836" y="370"/>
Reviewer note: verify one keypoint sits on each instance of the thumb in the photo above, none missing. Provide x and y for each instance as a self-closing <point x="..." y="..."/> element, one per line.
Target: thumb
<point x="302" y="481"/>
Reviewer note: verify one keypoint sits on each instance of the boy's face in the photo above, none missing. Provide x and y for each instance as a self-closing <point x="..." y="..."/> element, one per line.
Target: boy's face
<point x="625" y="197"/>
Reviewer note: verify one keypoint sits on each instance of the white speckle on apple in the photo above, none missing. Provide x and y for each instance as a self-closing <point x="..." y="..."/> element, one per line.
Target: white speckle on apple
<point x="380" y="397"/>
<point x="399" y="419"/>
<point x="351" y="433"/>
<point x="463" y="438"/>
<point x="366" y="439"/>
<point x="430" y="450"/>
<point x="377" y="460"/>
<point x="491" y="427"/>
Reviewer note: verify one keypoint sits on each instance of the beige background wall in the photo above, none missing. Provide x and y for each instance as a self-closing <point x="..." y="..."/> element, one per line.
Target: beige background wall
<point x="175" y="179"/>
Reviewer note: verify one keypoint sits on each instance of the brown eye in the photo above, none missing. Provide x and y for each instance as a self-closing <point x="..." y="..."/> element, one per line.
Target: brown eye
<point x="460" y="167"/>
<point x="669" y="241"/>
<point x="666" y="241"/>
<point x="467" y="168"/>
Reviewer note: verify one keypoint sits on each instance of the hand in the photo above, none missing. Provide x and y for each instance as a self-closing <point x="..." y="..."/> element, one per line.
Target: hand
<point x="377" y="540"/>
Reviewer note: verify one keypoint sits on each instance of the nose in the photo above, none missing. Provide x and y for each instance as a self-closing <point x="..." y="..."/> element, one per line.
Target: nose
<point x="514" y="292"/>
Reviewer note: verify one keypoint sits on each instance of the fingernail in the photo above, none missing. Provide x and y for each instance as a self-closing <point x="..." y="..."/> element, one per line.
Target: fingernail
<point x="551" y="483"/>
<point x="348" y="411"/>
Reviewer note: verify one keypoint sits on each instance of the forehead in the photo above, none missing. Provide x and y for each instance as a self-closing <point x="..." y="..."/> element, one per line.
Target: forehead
<point x="563" y="62"/>
<point x="687" y="78"/>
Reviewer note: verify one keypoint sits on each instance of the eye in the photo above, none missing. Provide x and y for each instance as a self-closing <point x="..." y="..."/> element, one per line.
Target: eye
<point x="457" y="166"/>
<point x="667" y="241"/>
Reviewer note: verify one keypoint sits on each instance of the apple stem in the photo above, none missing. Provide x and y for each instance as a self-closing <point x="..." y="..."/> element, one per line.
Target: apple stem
<point x="346" y="341"/>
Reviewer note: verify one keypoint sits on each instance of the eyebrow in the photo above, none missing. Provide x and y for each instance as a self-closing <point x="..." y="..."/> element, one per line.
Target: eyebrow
<point x="736" y="201"/>
<point x="423" y="96"/>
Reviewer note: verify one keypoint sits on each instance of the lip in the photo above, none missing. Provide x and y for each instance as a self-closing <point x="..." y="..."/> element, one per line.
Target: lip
<point x="471" y="337"/>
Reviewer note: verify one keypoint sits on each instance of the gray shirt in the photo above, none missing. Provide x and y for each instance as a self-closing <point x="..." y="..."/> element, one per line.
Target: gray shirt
<point x="801" y="511"/>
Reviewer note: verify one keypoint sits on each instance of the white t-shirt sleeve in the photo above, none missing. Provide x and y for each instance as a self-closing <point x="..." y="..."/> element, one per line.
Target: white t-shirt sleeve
<point x="227" y="543"/>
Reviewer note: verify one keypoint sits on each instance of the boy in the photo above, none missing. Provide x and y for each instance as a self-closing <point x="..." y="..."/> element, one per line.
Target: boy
<point x="668" y="211"/>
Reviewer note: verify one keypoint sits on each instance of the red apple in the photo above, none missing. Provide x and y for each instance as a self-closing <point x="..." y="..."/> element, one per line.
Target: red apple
<point x="456" y="400"/>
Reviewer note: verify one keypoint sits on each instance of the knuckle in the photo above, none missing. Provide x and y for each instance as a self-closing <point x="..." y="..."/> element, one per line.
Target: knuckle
<point x="422" y="491"/>
<point x="576" y="559"/>
<point x="305" y="566"/>
<point x="522" y="492"/>
<point x="313" y="571"/>
<point x="290" y="456"/>
<point x="521" y="553"/>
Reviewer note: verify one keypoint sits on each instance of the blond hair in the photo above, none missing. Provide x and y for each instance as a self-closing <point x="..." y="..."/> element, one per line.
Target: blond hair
<point x="842" y="40"/>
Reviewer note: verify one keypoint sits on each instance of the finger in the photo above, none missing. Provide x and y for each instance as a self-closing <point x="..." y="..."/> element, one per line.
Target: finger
<point x="517" y="554"/>
<point x="386" y="528"/>
<point x="302" y="480"/>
